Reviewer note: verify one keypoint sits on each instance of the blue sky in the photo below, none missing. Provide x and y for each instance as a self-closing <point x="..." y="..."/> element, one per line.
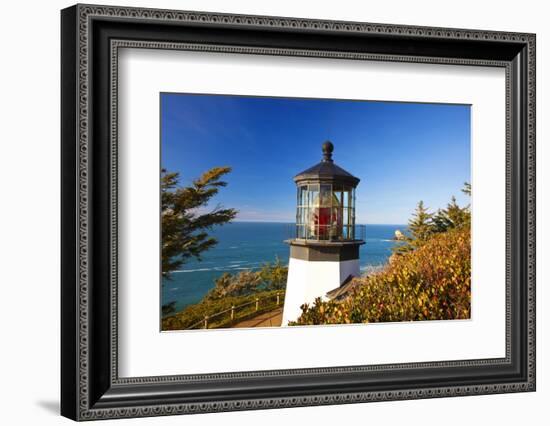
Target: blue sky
<point x="402" y="152"/>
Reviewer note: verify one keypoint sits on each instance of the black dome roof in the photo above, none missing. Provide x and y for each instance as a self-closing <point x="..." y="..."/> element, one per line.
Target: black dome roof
<point x="327" y="170"/>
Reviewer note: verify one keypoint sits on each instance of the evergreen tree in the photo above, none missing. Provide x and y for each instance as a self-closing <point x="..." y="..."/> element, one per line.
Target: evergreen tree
<point x="453" y="216"/>
<point x="467" y="189"/>
<point x="184" y="225"/>
<point x="420" y="229"/>
<point x="423" y="225"/>
<point x="420" y="225"/>
<point x="447" y="218"/>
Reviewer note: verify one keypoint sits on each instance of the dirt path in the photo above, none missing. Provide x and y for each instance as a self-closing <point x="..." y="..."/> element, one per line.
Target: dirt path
<point x="267" y="319"/>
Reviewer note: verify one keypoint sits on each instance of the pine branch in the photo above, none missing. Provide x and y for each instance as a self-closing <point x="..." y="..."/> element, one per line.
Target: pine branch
<point x="184" y="233"/>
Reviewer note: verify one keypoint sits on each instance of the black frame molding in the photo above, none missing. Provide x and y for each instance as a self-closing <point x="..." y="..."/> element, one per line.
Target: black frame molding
<point x="91" y="37"/>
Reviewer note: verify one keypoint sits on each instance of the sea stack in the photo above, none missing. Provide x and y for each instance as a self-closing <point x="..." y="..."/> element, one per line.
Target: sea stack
<point x="324" y="251"/>
<point x="398" y="235"/>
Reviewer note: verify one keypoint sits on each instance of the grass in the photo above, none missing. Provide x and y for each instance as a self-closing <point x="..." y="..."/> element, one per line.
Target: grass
<point x="193" y="316"/>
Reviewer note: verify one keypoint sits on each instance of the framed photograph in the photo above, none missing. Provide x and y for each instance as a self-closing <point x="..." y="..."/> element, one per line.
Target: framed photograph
<point x="263" y="212"/>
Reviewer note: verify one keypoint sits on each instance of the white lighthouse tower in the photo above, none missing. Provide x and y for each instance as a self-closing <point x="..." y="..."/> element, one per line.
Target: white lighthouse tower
<point x="324" y="253"/>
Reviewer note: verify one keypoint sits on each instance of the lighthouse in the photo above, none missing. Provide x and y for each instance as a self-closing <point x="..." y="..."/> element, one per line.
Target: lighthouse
<point x="324" y="250"/>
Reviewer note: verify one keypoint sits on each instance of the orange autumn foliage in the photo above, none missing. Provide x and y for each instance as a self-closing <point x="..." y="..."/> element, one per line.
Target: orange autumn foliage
<point x="430" y="283"/>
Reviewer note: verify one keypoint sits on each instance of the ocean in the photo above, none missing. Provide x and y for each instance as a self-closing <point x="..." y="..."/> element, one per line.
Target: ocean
<point x="247" y="245"/>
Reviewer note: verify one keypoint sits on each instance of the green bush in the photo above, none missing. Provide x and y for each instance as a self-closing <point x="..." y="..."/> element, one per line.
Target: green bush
<point x="194" y="314"/>
<point x="272" y="276"/>
<point x="234" y="290"/>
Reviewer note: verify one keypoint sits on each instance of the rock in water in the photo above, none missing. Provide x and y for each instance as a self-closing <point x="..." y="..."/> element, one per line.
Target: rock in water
<point x="399" y="236"/>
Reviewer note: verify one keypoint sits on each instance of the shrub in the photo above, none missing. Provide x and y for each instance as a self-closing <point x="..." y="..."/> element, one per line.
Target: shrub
<point x="431" y="282"/>
<point x="234" y="290"/>
<point x="194" y="314"/>
<point x="272" y="276"/>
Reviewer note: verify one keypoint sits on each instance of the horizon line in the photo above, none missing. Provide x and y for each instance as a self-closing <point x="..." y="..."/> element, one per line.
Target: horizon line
<point x="291" y="222"/>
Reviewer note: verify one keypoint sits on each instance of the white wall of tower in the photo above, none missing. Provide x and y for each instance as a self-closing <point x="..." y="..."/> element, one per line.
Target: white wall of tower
<point x="308" y="280"/>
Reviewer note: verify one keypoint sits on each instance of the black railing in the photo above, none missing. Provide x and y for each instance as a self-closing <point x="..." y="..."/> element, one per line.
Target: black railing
<point x="326" y="232"/>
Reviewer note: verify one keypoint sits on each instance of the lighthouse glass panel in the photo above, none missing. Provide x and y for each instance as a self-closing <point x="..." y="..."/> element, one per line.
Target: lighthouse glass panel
<point x="325" y="212"/>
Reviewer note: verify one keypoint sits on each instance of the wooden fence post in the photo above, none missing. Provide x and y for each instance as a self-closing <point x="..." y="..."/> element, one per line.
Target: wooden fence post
<point x="257" y="303"/>
<point x="278" y="300"/>
<point x="232" y="312"/>
<point x="206" y="321"/>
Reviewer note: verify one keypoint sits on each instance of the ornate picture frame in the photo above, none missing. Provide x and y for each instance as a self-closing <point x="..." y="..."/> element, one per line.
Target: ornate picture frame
<point x="91" y="37"/>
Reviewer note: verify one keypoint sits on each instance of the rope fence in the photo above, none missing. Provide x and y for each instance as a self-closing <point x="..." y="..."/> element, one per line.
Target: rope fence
<point x="260" y="305"/>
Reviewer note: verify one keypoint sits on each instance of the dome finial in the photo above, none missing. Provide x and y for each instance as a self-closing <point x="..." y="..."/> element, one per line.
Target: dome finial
<point x="328" y="147"/>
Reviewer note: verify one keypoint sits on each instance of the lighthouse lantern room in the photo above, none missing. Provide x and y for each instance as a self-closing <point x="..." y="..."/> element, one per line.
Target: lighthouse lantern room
<point x="324" y="253"/>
